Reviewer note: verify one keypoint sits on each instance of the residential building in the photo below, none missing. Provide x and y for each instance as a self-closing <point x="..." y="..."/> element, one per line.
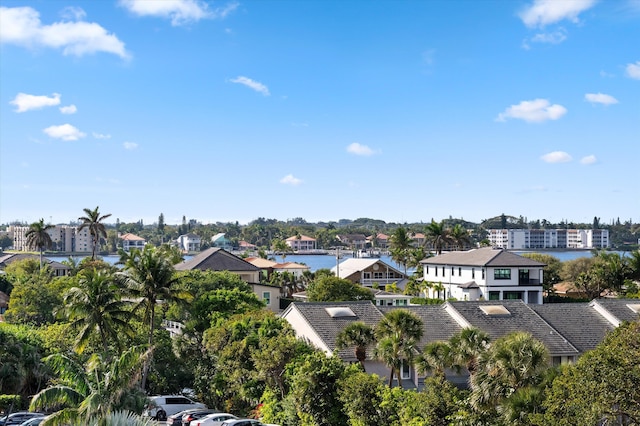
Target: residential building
<point x="131" y="241"/>
<point x="189" y="243"/>
<point x="378" y="241"/>
<point x="353" y="241"/>
<point x="369" y="272"/>
<point x="269" y="266"/>
<point x="567" y="330"/>
<point x="64" y="238"/>
<point x="301" y="243"/>
<point x="59" y="269"/>
<point x="484" y="274"/>
<point x="526" y="239"/>
<point x="217" y="259"/>
<point x="221" y="241"/>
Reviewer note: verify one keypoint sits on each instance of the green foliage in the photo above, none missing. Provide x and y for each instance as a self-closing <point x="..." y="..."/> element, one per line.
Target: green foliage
<point x="210" y="308"/>
<point x="11" y="402"/>
<point x="426" y="301"/>
<point x="359" y="336"/>
<point x="602" y="386"/>
<point x="21" y="370"/>
<point x="334" y="289"/>
<point x="315" y="390"/>
<point x="35" y="296"/>
<point x="362" y="396"/>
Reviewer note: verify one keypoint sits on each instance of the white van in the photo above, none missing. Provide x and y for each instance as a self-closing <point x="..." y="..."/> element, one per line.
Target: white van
<point x="161" y="406"/>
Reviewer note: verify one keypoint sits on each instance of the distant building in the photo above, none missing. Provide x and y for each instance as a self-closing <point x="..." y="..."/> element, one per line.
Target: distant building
<point x="131" y="241"/>
<point x="189" y="243"/>
<point x="301" y="243"/>
<point x="221" y="241"/>
<point x="524" y="239"/>
<point x="65" y="238"/>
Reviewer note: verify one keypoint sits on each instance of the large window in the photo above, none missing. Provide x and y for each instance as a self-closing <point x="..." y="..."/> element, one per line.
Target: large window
<point x="512" y="295"/>
<point x="266" y="296"/>
<point x="502" y="274"/>
<point x="406" y="369"/>
<point x="494" y="295"/>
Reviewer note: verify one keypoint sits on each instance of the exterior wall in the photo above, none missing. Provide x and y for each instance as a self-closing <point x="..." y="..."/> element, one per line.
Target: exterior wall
<point x="64" y="238"/>
<point x="301" y="244"/>
<point x="270" y="295"/>
<point x="382" y="275"/>
<point x="249" y="277"/>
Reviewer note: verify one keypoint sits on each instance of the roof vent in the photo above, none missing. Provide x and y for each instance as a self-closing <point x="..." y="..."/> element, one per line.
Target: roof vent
<point x="635" y="307"/>
<point x="495" y="310"/>
<point x="340" y="312"/>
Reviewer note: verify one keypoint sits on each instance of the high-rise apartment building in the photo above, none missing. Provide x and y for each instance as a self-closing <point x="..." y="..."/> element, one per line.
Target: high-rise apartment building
<point x="521" y="239"/>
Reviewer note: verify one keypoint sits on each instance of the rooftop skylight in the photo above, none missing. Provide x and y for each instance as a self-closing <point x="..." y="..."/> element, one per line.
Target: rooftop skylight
<point x="495" y="310"/>
<point x="634" y="307"/>
<point x="340" y="312"/>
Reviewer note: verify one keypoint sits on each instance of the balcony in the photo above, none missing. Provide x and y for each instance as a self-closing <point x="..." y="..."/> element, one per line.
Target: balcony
<point x="529" y="281"/>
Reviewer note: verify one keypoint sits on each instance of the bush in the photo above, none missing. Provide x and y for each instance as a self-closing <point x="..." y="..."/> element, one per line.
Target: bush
<point x="425" y="301"/>
<point x="11" y="402"/>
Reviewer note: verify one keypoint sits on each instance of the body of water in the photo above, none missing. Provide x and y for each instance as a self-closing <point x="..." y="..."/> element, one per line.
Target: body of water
<point x="325" y="261"/>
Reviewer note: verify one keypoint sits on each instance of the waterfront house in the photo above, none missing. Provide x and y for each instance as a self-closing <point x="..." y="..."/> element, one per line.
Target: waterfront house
<point x="221" y="241"/>
<point x="59" y="269"/>
<point x="353" y="241"/>
<point x="189" y="243"/>
<point x="218" y="259"/>
<point x="378" y="241"/>
<point x="484" y="274"/>
<point x="301" y="243"/>
<point x="131" y="241"/>
<point x="369" y="272"/>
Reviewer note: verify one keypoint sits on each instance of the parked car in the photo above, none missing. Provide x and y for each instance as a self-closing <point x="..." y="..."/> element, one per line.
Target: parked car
<point x="215" y="419"/>
<point x="33" y="422"/>
<point x="18" y="417"/>
<point x="192" y="415"/>
<point x="160" y="407"/>
<point x="176" y="419"/>
<point x="242" y="422"/>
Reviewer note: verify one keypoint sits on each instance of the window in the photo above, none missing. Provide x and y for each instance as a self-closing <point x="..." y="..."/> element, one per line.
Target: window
<point x="406" y="370"/>
<point x="400" y="302"/>
<point x="436" y="270"/>
<point x="512" y="295"/>
<point x="427" y="269"/>
<point x="366" y="275"/>
<point x="266" y="296"/>
<point x="473" y="272"/>
<point x="459" y="272"/>
<point x="378" y="275"/>
<point x="502" y="274"/>
<point x="443" y="271"/>
<point x="452" y="268"/>
<point x="483" y="273"/>
<point x="494" y="295"/>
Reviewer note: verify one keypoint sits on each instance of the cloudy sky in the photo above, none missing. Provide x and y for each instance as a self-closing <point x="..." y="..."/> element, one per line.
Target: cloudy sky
<point x="397" y="110"/>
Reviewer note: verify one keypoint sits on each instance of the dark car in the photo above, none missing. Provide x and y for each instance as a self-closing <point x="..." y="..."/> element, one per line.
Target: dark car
<point x="191" y="415"/>
<point x="18" y="418"/>
<point x="176" y="419"/>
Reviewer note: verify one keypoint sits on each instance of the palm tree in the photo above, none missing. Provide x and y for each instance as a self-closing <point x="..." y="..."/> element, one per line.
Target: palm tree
<point x="281" y="246"/>
<point x="95" y="306"/>
<point x="93" y="221"/>
<point x="512" y="362"/>
<point x="459" y="236"/>
<point x="88" y="391"/>
<point x="398" y="333"/>
<point x="400" y="242"/>
<point x="149" y="277"/>
<point x="436" y="236"/>
<point x="436" y="357"/>
<point x="468" y="345"/>
<point x="38" y="237"/>
<point x="360" y="336"/>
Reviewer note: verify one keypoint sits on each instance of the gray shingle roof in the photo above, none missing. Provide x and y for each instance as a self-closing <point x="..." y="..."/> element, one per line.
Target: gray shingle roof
<point x="328" y="328"/>
<point x="582" y="325"/>
<point x="486" y="256"/>
<point x="437" y="324"/>
<point x="216" y="259"/>
<point x="619" y="308"/>
<point x="521" y="318"/>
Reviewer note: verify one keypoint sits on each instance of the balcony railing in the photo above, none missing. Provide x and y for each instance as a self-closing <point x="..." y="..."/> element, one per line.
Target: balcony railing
<point x="531" y="281"/>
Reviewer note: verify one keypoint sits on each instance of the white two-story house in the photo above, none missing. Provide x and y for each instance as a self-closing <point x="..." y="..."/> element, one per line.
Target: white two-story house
<point x="483" y="274"/>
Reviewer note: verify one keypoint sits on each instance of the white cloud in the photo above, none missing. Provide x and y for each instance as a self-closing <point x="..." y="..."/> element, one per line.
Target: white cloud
<point x="179" y="11"/>
<point x="100" y="136"/>
<point x="25" y="102"/>
<point x="534" y="111"/>
<point x="70" y="109"/>
<point x="358" y="149"/>
<point x="21" y="26"/>
<point x="544" y="12"/>
<point x="556" y="157"/>
<point x="71" y="13"/>
<point x="589" y="159"/>
<point x="290" y="180"/>
<point x="130" y="146"/>
<point x="633" y="70"/>
<point x="258" y="87"/>
<point x="555" y="37"/>
<point x="600" y="98"/>
<point x="66" y="132"/>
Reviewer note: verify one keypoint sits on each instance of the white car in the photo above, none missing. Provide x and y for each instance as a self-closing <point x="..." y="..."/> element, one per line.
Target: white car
<point x="214" y="419"/>
<point x="161" y="406"/>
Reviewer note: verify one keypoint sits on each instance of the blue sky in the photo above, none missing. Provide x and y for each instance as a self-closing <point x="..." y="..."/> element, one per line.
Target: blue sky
<point x="396" y="110"/>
